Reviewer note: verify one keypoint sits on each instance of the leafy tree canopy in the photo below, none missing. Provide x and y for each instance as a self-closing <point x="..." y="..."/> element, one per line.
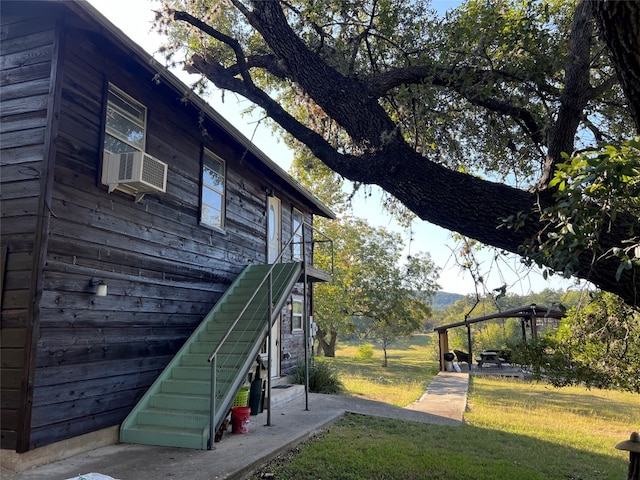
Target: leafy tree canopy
<point x="592" y="190"/>
<point x="462" y="120"/>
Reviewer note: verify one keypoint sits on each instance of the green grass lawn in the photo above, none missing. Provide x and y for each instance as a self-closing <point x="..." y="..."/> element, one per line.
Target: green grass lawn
<point x="402" y="382"/>
<point x="512" y="430"/>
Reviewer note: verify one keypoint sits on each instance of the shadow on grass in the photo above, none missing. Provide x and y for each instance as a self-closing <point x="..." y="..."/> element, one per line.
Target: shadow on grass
<point x="395" y="373"/>
<point x="597" y="403"/>
<point x="368" y="447"/>
<point x="415" y="343"/>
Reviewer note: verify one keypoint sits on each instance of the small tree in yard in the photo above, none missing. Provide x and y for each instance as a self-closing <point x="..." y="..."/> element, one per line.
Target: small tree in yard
<point x="334" y="301"/>
<point x="396" y="300"/>
<point x="370" y="283"/>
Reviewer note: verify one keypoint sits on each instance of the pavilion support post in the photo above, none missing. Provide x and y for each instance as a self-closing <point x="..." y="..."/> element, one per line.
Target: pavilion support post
<point x="443" y="340"/>
<point x="534" y="327"/>
<point x="470" y="349"/>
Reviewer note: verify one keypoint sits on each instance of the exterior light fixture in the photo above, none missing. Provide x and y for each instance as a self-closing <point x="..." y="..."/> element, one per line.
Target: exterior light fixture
<point x="100" y="286"/>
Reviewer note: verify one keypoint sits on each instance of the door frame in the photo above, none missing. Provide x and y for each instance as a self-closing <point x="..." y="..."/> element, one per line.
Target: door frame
<point x="274" y="228"/>
<point x="274" y="247"/>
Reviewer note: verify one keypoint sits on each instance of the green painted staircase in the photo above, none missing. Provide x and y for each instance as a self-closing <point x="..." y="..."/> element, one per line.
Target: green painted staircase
<point x="175" y="410"/>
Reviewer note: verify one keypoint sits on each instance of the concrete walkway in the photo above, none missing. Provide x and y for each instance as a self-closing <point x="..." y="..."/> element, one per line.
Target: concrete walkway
<point x="446" y="396"/>
<point x="237" y="456"/>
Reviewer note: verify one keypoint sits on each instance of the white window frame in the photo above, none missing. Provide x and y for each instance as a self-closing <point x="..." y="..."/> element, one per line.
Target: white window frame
<point x="297" y="311"/>
<point x="142" y="123"/>
<point x="208" y="155"/>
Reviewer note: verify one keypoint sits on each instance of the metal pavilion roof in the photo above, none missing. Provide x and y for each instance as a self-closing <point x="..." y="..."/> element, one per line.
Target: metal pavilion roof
<point x="527" y="311"/>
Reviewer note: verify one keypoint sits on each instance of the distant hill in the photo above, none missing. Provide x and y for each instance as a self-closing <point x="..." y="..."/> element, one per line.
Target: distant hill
<point x="444" y="299"/>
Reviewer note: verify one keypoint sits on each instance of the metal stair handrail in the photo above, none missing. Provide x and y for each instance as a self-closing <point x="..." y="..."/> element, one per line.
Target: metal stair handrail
<point x="214" y="354"/>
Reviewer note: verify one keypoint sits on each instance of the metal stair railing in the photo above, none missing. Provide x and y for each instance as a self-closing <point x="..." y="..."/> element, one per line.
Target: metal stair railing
<point x="325" y="240"/>
<point x="213" y="357"/>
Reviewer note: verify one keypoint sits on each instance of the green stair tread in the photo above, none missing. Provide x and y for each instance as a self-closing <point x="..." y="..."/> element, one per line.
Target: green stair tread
<point x="180" y="400"/>
<point x="184" y="372"/>
<point x="173" y="418"/>
<point x="185" y="386"/>
<point x="200" y="348"/>
<point x="164" y="429"/>
<point x="213" y="338"/>
<point x="193" y="361"/>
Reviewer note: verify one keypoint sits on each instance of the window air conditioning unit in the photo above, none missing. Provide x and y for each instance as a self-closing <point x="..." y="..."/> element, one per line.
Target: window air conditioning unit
<point x="135" y="173"/>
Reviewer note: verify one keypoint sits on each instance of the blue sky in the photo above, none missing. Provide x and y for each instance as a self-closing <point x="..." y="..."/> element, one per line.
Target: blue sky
<point x="135" y="21"/>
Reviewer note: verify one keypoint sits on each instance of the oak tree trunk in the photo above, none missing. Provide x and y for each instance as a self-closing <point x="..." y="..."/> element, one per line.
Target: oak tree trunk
<point x="328" y="347"/>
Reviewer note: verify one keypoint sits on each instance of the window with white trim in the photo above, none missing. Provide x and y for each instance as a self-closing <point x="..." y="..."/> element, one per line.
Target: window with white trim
<point x="296" y="243"/>
<point x="296" y="314"/>
<point x="213" y="190"/>
<point x="126" y="123"/>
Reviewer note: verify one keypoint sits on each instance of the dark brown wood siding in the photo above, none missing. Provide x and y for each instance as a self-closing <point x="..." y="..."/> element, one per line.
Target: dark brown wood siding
<point x="164" y="271"/>
<point x="27" y="51"/>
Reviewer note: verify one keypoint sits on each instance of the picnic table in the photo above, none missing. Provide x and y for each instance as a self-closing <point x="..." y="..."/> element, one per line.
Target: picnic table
<point x="490" y="357"/>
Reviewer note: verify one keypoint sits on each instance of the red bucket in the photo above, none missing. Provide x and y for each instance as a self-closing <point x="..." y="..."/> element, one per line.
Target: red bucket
<point x="240" y="419"/>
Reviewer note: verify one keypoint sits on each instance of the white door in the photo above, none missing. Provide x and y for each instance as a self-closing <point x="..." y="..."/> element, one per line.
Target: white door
<point x="275" y="348"/>
<point x="274" y="229"/>
<point x="274" y="235"/>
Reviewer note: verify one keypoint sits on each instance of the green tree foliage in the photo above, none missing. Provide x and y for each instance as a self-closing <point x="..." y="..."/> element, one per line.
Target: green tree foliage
<point x="335" y="302"/>
<point x="500" y="334"/>
<point x="398" y="298"/>
<point x="593" y="188"/>
<point x="598" y="345"/>
<point x="462" y="120"/>
<point x="370" y="294"/>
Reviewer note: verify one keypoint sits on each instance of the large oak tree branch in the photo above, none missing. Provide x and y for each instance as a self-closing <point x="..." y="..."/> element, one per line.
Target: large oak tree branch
<point x="453" y="200"/>
<point x="445" y="76"/>
<point x="244" y="63"/>
<point x="339" y="96"/>
<point x="459" y="79"/>
<point x="220" y="77"/>
<point x="268" y="63"/>
<point x="231" y="42"/>
<point x="436" y="194"/>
